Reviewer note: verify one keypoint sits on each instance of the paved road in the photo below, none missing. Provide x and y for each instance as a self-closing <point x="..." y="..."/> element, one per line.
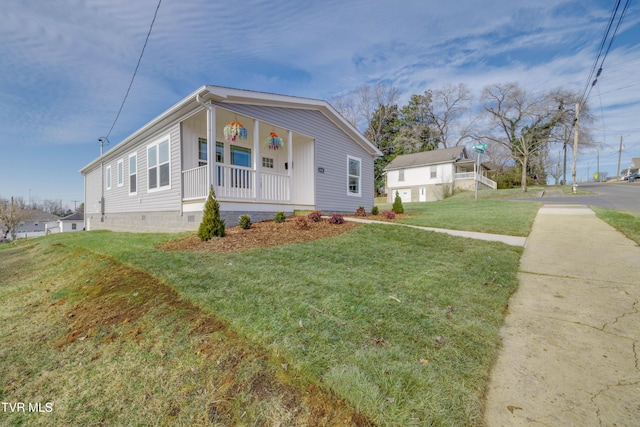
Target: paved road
<point x="619" y="195"/>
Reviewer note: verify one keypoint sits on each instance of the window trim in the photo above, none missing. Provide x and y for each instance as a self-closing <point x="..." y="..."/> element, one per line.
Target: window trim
<point x="120" y="173"/>
<point x="108" y="177"/>
<point x="433" y="172"/>
<point x="400" y="175"/>
<point x="359" y="176"/>
<point x="135" y="173"/>
<point x="156" y="144"/>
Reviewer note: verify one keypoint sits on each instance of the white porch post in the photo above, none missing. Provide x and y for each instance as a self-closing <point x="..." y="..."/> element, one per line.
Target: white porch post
<point x="290" y="160"/>
<point x="256" y="152"/>
<point x="211" y="147"/>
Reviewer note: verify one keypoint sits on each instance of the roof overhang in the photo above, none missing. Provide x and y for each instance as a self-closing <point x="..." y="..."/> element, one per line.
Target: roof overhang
<point x="193" y="102"/>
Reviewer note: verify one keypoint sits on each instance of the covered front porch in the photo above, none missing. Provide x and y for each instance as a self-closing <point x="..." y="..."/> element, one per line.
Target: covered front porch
<point x="251" y="160"/>
<point x="466" y="172"/>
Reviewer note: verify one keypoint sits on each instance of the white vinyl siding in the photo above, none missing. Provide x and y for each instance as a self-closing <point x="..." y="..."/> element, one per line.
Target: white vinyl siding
<point x="133" y="174"/>
<point x="120" y="172"/>
<point x="159" y="165"/>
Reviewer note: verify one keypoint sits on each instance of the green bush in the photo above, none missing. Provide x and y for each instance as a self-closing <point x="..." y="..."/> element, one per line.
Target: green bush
<point x="244" y="221"/>
<point x="279" y="217"/>
<point x="397" y="204"/>
<point x="212" y="225"/>
<point x="375" y="210"/>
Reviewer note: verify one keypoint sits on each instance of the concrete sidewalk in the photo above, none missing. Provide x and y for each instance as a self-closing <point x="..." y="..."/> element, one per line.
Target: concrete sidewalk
<point x="571" y="354"/>
<point x="502" y="238"/>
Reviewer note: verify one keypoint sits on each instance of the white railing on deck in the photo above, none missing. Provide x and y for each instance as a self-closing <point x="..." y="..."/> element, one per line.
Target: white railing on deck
<point x="194" y="183"/>
<point x="472" y="175"/>
<point x="274" y="186"/>
<point x="236" y="183"/>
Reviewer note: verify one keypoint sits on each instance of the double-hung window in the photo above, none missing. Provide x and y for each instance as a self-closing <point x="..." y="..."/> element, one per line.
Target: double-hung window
<point x="354" y="173"/>
<point x="120" y="173"/>
<point x="158" y="165"/>
<point x="202" y="151"/>
<point x="133" y="174"/>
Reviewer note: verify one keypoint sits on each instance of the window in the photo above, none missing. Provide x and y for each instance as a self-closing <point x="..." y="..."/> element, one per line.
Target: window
<point x="133" y="174"/>
<point x="353" y="172"/>
<point x="401" y="175"/>
<point x="202" y="151"/>
<point x="74" y="226"/>
<point x="158" y="165"/>
<point x="120" y="172"/>
<point x="241" y="156"/>
<point x="219" y="152"/>
<point x="434" y="172"/>
<point x="108" y="177"/>
<point x="267" y="162"/>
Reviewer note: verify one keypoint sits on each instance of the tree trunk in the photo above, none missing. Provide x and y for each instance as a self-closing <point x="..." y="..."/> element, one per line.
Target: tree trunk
<point x="525" y="161"/>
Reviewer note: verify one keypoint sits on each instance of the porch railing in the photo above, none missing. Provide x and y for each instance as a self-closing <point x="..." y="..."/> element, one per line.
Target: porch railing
<point x="194" y="183"/>
<point x="472" y="175"/>
<point x="236" y="183"/>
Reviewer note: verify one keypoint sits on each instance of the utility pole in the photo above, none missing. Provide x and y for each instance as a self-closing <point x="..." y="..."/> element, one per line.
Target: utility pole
<point x="598" y="167"/>
<point x="618" y="174"/>
<point x="575" y="149"/>
<point x="75" y="207"/>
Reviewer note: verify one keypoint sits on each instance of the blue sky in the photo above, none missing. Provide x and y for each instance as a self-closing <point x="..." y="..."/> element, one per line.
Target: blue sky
<point x="65" y="65"/>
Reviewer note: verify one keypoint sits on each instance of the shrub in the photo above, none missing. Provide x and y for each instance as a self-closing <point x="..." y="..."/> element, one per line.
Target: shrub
<point x="361" y="211"/>
<point x="375" y="210"/>
<point x="397" y="204"/>
<point x="244" y="221"/>
<point x="301" y="223"/>
<point x="279" y="217"/>
<point x="336" y="219"/>
<point x="389" y="214"/>
<point x="315" y="216"/>
<point x="212" y="225"/>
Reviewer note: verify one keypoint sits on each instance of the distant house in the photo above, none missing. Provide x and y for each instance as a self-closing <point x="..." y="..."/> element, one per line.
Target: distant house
<point x="426" y="176"/>
<point x="73" y="222"/>
<point x="261" y="152"/>
<point x="633" y="167"/>
<point x="33" y="222"/>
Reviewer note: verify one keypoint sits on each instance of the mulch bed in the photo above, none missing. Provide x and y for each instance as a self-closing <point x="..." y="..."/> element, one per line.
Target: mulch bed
<point x="261" y="235"/>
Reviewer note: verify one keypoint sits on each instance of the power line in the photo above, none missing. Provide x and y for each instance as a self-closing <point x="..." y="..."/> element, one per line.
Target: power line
<point x="136" y="70"/>
<point x="588" y="87"/>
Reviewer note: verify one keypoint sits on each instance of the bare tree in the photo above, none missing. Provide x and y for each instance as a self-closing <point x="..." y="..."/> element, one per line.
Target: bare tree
<point x="361" y="105"/>
<point x="523" y="123"/>
<point x="446" y="108"/>
<point x="11" y="214"/>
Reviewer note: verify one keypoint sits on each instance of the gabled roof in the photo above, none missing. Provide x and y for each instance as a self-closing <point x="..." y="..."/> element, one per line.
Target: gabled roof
<point x="426" y="158"/>
<point x="37" y="215"/>
<point x="238" y="96"/>
<point x="73" y="217"/>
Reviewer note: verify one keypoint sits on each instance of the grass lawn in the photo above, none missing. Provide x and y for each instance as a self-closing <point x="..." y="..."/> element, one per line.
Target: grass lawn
<point x="381" y="325"/>
<point x="627" y="222"/>
<point x="483" y="215"/>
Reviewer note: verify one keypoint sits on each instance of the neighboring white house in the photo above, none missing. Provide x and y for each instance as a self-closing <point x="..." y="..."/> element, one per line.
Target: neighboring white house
<point x="429" y="175"/>
<point x="262" y="153"/>
<point x="73" y="222"/>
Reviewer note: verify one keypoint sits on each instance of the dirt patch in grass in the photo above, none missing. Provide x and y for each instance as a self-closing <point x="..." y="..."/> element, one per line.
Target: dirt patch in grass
<point x="238" y="381"/>
<point x="262" y="235"/>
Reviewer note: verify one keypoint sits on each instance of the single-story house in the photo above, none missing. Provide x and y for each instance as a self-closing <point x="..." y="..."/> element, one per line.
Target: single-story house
<point x="261" y="152"/>
<point x="430" y="175"/>
<point x="73" y="222"/>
